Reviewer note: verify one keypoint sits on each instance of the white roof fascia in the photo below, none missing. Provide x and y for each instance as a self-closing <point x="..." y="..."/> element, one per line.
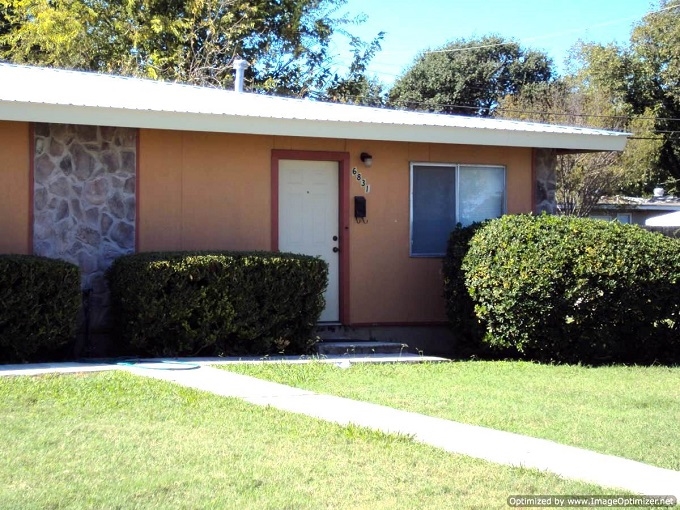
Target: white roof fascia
<point x="48" y="95"/>
<point x="67" y="114"/>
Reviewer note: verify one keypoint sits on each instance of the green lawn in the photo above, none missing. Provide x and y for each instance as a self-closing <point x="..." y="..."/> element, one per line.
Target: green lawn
<point x="114" y="440"/>
<point x="632" y="412"/>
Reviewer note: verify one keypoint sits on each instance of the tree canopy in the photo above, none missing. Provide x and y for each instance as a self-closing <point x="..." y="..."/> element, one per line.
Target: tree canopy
<point x="287" y="42"/>
<point x="469" y="76"/>
<point x="578" y="100"/>
<point x="634" y="88"/>
<point x="646" y="75"/>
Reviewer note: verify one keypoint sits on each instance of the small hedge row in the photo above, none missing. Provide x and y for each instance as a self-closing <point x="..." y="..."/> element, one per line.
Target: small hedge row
<point x="227" y="303"/>
<point x="576" y="290"/>
<point x="39" y="303"/>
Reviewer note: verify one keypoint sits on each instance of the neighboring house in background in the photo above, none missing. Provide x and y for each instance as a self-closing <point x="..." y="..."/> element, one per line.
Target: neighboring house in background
<point x="95" y="166"/>
<point x="635" y="210"/>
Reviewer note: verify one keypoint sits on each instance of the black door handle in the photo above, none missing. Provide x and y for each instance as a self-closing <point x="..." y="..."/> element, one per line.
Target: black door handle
<point x="336" y="249"/>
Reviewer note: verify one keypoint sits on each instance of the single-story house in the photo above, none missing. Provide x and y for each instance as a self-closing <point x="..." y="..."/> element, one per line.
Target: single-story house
<point x="95" y="166"/>
<point x="636" y="210"/>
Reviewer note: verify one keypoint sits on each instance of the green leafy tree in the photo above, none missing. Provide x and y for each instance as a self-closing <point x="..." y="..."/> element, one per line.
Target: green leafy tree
<point x="644" y="79"/>
<point x="5" y="25"/>
<point x="585" y="98"/>
<point x="287" y="42"/>
<point x="655" y="82"/>
<point x="357" y="87"/>
<point x="469" y="77"/>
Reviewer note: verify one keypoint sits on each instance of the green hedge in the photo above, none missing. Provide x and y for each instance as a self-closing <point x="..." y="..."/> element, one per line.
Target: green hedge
<point x="231" y="303"/>
<point x="39" y="303"/>
<point x="460" y="309"/>
<point x="574" y="289"/>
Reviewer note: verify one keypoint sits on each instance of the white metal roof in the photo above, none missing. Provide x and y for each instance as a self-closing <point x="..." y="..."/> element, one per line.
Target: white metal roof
<point x="53" y="95"/>
<point x="665" y="220"/>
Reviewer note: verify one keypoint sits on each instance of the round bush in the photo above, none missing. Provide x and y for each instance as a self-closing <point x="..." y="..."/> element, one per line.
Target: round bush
<point x="574" y="289"/>
<point x="39" y="303"/>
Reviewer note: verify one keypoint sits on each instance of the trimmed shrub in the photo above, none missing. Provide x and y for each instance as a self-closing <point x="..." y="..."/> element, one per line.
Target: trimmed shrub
<point x="39" y="303"/>
<point x="190" y="303"/>
<point x="460" y="309"/>
<point x="573" y="289"/>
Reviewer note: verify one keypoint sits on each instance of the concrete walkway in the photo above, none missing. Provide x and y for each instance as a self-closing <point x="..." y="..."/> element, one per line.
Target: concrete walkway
<point x="479" y="442"/>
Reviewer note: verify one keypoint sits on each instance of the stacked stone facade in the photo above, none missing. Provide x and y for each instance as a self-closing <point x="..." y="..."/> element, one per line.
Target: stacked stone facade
<point x="84" y="203"/>
<point x="544" y="172"/>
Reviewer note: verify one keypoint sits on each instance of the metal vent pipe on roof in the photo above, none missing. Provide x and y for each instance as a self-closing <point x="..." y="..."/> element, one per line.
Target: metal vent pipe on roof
<point x="240" y="65"/>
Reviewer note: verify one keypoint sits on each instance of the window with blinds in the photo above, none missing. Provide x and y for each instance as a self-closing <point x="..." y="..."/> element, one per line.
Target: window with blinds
<point x="443" y="195"/>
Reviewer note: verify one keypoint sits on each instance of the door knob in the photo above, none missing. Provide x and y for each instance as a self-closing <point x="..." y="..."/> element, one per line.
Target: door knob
<point x="335" y="238"/>
<point x="336" y="249"/>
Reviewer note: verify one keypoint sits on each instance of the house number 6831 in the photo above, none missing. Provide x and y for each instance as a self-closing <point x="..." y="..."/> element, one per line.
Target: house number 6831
<point x="361" y="180"/>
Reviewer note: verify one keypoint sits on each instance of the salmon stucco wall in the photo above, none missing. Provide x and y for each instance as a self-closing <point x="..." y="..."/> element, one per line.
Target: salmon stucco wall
<point x="15" y="179"/>
<point x="388" y="286"/>
<point x="203" y="191"/>
<point x="213" y="191"/>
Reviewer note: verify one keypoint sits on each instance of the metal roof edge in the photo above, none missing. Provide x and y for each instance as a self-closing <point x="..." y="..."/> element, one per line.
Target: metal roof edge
<point x="315" y="128"/>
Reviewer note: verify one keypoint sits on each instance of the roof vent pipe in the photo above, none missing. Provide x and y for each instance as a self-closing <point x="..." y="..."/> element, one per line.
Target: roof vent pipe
<point x="240" y="65"/>
<point x="659" y="192"/>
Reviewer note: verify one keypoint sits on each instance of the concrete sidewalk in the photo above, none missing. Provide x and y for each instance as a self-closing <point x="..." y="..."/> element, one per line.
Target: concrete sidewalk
<point x="483" y="443"/>
<point x="479" y="442"/>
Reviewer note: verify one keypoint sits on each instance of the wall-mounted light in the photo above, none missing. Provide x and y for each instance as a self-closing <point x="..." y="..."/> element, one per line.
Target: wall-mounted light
<point x="366" y="159"/>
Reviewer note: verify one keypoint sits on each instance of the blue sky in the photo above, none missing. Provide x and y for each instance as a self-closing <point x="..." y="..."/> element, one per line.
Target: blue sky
<point x="552" y="26"/>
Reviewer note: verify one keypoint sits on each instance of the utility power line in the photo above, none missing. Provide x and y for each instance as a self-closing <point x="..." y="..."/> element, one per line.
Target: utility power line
<point x="545" y="113"/>
<point x="536" y="38"/>
<point x="558" y="34"/>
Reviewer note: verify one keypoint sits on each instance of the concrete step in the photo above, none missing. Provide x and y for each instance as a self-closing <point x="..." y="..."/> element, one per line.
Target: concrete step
<point x="352" y="347"/>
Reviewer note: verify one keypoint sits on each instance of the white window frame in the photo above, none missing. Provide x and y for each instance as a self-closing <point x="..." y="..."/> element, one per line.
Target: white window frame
<point x="455" y="167"/>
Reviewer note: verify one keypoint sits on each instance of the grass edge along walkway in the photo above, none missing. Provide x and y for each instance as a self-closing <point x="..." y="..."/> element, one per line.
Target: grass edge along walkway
<point x="116" y="440"/>
<point x="478" y="442"/>
<point x="625" y="411"/>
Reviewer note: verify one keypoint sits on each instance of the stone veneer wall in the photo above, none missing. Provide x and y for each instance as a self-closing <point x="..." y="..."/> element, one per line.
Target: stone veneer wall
<point x="85" y="202"/>
<point x="544" y="173"/>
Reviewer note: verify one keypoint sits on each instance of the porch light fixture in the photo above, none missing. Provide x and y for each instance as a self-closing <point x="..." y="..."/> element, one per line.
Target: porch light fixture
<point x="366" y="159"/>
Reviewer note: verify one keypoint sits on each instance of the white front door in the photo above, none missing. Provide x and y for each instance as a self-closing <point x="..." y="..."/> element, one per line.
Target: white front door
<point x="309" y="219"/>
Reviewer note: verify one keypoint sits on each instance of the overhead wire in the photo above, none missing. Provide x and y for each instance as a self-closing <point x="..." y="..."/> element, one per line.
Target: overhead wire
<point x="544" y="36"/>
<point x="628" y="118"/>
<point x="544" y="113"/>
<point x="534" y="112"/>
<point x="549" y="36"/>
